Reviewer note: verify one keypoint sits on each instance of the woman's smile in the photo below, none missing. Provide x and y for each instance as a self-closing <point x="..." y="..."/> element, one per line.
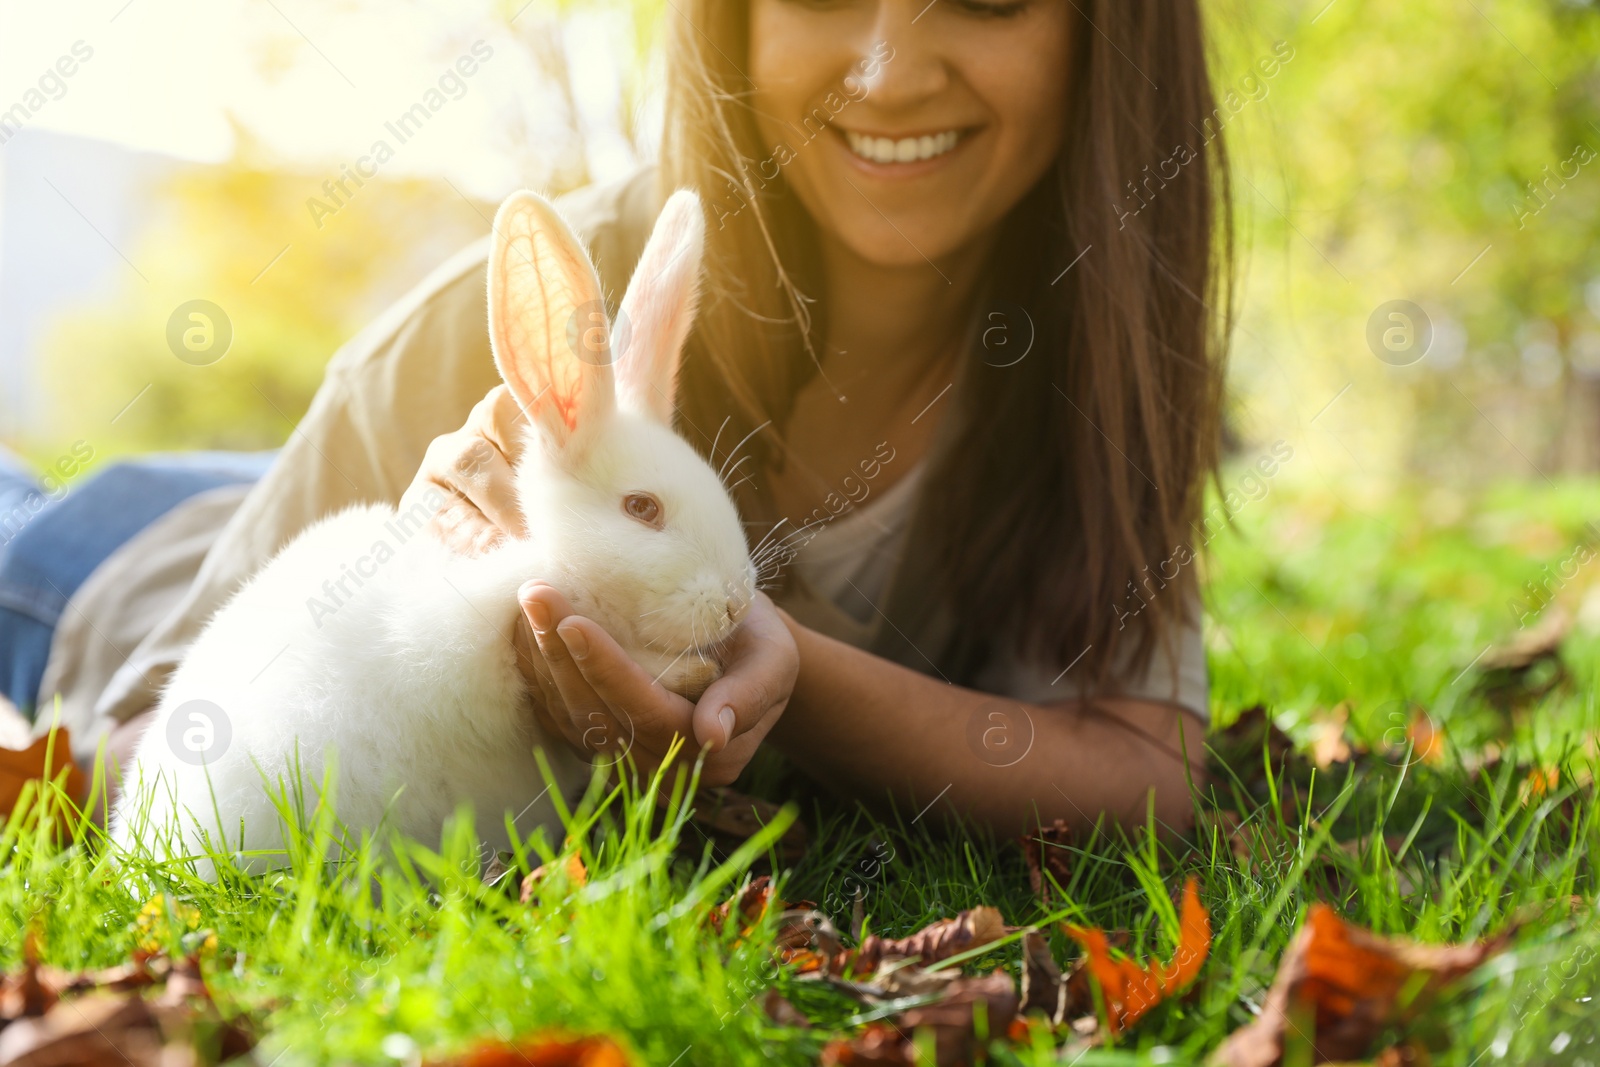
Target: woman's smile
<point x="893" y="155"/>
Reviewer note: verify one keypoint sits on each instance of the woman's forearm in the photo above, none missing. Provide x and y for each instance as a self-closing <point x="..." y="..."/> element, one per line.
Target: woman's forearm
<point x="871" y="728"/>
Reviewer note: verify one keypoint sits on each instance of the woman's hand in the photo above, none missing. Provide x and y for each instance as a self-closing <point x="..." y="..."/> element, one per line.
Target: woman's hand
<point x="601" y="701"/>
<point x="473" y="467"/>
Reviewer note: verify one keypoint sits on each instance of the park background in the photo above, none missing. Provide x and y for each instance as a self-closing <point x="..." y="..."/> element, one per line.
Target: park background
<point x="1444" y="153"/>
<point x="1407" y="588"/>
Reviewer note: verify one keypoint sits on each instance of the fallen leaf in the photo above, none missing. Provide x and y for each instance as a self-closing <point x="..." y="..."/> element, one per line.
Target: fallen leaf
<point x="1240" y="743"/>
<point x="1427" y="739"/>
<point x="1528" y="666"/>
<point x="736" y="817"/>
<point x="1046" y="853"/>
<point x="751" y="902"/>
<point x="1130" y="990"/>
<point x="878" y="1044"/>
<point x="1045" y="988"/>
<point x="543" y="1050"/>
<point x="103" y="1018"/>
<point x="496" y="873"/>
<point x="952" y="1019"/>
<point x="1238" y="757"/>
<point x="1406" y="1055"/>
<point x="807" y="929"/>
<point x="1342" y="986"/>
<point x="937" y="941"/>
<point x="19" y="767"/>
<point x="778" y="1008"/>
<point x="94" y="1029"/>
<point x="1540" y="780"/>
<point x="1328" y="744"/>
<point x="577" y="876"/>
<point x="1530" y="644"/>
<point x="25" y="994"/>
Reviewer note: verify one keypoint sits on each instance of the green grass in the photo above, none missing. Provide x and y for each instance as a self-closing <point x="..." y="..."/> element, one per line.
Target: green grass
<point x="1313" y="601"/>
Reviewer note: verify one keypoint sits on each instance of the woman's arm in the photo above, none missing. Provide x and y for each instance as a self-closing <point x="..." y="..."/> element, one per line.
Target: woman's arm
<point x="870" y="727"/>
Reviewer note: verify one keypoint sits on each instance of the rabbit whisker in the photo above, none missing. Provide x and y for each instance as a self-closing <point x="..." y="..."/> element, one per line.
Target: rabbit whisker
<point x="769" y="533"/>
<point x="725" y="420"/>
<point x="742" y="442"/>
<point x="735" y="467"/>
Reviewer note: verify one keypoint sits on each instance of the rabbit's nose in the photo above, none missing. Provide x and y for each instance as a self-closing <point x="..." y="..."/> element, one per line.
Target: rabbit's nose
<point x="738" y="601"/>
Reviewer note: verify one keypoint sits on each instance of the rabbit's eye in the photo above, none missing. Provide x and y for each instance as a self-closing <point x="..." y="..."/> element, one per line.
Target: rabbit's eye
<point x="645" y="508"/>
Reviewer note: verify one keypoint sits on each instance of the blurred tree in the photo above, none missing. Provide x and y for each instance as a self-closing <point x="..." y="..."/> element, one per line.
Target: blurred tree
<point x="294" y="285"/>
<point x="243" y="239"/>
<point x="1445" y="152"/>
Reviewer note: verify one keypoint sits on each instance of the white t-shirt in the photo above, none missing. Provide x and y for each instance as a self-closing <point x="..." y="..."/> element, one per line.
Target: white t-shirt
<point x="849" y="559"/>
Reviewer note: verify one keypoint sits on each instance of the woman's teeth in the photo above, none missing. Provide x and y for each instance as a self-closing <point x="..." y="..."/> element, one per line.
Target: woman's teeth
<point x="905" y="150"/>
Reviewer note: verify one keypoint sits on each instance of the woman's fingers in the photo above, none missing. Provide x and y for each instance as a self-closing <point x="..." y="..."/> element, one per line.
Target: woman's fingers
<point x="762" y="664"/>
<point x="607" y="695"/>
<point x="499" y="420"/>
<point x="654" y="715"/>
<point x="549" y="709"/>
<point x="473" y="467"/>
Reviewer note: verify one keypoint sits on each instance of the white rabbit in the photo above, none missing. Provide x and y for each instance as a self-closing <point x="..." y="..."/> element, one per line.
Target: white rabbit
<point x="366" y="640"/>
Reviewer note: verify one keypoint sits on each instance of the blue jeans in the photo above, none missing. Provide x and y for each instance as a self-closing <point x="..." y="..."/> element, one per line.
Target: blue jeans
<point x="50" y="544"/>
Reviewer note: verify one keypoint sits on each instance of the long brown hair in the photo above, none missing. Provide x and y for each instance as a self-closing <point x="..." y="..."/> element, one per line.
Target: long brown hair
<point x="1065" y="508"/>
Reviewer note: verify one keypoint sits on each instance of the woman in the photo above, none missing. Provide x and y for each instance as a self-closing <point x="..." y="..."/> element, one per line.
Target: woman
<point x="957" y="340"/>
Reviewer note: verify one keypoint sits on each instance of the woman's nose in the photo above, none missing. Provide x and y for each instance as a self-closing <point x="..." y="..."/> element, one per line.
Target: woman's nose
<point x="904" y="62"/>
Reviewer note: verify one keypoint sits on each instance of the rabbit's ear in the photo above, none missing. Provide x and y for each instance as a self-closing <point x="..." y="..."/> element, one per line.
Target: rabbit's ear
<point x="659" y="308"/>
<point x="547" y="321"/>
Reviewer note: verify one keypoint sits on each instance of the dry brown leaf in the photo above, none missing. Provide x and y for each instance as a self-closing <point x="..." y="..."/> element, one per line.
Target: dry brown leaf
<point x="736" y="817"/>
<point x="94" y="1029"/>
<point x="1130" y="990"/>
<point x="27" y="993"/>
<point x="1530" y="644"/>
<point x="778" y="1008"/>
<point x="1239" y="744"/>
<point x="751" y="902"/>
<point x="1046" y="852"/>
<point x="1045" y="988"/>
<point x="952" y="1019"/>
<point x="1427" y="739"/>
<point x="879" y="1045"/>
<point x="541" y="1050"/>
<point x="577" y="876"/>
<point x="50" y="1018"/>
<point x="1509" y="675"/>
<point x="1343" y="986"/>
<point x="937" y="941"/>
<point x="1328" y="743"/>
<point x="1540" y="780"/>
<point x="1234" y="757"/>
<point x="19" y="767"/>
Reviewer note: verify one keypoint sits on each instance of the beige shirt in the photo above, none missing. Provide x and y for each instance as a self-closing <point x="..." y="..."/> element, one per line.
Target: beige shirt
<point x="412" y="375"/>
